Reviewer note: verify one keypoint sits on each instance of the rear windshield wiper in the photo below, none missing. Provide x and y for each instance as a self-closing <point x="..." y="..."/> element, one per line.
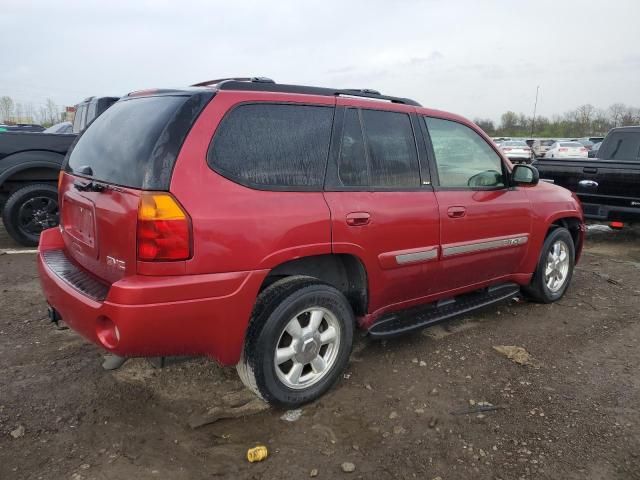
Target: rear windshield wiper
<point x="89" y="187"/>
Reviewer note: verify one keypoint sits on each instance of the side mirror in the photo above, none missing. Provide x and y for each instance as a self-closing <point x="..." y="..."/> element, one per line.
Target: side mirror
<point x="525" y="175"/>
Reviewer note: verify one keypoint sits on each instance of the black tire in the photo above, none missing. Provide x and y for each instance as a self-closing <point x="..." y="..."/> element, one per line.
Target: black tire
<point x="277" y="305"/>
<point x="538" y="290"/>
<point x="3" y="200"/>
<point x="24" y="214"/>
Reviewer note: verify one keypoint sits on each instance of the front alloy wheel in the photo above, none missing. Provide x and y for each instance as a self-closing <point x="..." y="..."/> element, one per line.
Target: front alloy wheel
<point x="555" y="267"/>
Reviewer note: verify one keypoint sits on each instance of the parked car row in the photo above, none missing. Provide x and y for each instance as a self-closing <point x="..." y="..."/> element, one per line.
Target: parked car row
<point x="521" y="150"/>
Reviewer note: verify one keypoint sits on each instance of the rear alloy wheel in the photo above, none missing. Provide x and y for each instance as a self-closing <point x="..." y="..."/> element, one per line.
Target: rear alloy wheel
<point x="555" y="267"/>
<point x="29" y="211"/>
<point x="307" y="348"/>
<point x="298" y="342"/>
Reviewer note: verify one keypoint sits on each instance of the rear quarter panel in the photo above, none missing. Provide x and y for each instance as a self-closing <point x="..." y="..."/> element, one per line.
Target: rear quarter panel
<point x="236" y="228"/>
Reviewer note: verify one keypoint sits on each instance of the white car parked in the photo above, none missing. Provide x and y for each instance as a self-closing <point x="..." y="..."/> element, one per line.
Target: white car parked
<point x="567" y="150"/>
<point x="516" y="150"/>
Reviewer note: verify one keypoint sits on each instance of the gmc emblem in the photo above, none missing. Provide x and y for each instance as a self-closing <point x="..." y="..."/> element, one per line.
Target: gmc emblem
<point x="115" y="263"/>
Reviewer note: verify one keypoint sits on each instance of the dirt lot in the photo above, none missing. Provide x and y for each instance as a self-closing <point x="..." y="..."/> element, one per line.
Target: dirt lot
<point x="574" y="412"/>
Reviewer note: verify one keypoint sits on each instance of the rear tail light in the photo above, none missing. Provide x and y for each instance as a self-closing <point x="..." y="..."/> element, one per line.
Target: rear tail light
<point x="60" y="176"/>
<point x="583" y="149"/>
<point x="164" y="229"/>
<point x="563" y="149"/>
<point x="616" y="225"/>
<point x="506" y="149"/>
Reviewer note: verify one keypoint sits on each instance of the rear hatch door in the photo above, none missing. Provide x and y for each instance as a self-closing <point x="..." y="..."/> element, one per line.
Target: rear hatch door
<point x="130" y="148"/>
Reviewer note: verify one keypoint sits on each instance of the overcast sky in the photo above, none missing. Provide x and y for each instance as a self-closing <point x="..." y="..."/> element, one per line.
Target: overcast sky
<point x="476" y="58"/>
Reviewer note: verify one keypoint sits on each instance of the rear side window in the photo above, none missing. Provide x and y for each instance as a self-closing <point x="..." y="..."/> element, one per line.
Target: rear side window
<point x="135" y="142"/>
<point x="273" y="145"/>
<point x="77" y="118"/>
<point x="91" y="112"/>
<point x="352" y="162"/>
<point x="621" y="146"/>
<point x="393" y="157"/>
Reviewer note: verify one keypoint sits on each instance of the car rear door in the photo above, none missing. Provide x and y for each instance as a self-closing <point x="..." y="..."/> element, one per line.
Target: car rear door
<point x="484" y="224"/>
<point x="383" y="207"/>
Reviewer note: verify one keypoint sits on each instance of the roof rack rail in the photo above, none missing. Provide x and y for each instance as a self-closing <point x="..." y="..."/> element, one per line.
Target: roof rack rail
<point x="268" y="85"/>
<point x="369" y="91"/>
<point x="234" y="79"/>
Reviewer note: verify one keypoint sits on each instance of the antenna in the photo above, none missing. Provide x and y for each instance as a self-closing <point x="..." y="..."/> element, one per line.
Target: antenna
<point x="535" y="107"/>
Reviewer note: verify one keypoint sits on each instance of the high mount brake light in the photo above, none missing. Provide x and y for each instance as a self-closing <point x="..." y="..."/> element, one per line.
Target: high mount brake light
<point x="164" y="229"/>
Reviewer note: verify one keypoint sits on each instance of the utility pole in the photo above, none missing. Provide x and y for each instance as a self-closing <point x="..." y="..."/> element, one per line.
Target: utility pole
<point x="535" y="107"/>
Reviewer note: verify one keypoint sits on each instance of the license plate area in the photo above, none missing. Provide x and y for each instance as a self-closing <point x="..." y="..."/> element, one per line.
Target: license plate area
<point x="79" y="223"/>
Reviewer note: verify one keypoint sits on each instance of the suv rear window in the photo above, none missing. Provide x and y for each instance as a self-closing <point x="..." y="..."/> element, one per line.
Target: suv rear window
<point x="136" y="141"/>
<point x="273" y="145"/>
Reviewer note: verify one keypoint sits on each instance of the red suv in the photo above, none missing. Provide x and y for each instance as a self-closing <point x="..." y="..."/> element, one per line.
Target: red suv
<point x="260" y="223"/>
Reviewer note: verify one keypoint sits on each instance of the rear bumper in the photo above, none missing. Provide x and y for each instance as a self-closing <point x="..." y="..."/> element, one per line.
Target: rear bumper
<point x="157" y="316"/>
<point x="596" y="211"/>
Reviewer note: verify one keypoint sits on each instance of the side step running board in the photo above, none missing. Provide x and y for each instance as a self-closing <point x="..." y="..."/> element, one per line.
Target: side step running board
<point x="398" y="323"/>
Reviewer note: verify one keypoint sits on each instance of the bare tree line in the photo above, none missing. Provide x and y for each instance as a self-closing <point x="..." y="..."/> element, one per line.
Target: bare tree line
<point x="586" y="120"/>
<point x="16" y="112"/>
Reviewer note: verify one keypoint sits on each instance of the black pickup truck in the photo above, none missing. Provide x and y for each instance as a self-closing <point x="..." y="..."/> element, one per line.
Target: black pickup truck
<point x="29" y="167"/>
<point x="608" y="186"/>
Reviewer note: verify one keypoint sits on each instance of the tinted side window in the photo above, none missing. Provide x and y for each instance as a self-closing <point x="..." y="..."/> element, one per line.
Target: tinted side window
<point x="393" y="158"/>
<point x="91" y="111"/>
<point x="463" y="158"/>
<point x="621" y="146"/>
<point x="352" y="161"/>
<point x="77" y="118"/>
<point x="273" y="145"/>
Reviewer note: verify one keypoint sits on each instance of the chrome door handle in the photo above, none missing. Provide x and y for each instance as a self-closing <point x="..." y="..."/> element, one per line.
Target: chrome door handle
<point x="588" y="183"/>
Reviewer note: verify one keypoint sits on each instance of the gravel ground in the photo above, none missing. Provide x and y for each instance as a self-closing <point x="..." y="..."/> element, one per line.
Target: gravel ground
<point x="401" y="410"/>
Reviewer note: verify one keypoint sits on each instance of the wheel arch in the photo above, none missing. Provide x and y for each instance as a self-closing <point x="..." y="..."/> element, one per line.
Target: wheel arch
<point x="344" y="272"/>
<point x="34" y="166"/>
<point x="575" y="225"/>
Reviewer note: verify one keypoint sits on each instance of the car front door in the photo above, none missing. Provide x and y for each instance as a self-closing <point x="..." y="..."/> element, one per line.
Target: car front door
<point x="383" y="211"/>
<point x="484" y="223"/>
